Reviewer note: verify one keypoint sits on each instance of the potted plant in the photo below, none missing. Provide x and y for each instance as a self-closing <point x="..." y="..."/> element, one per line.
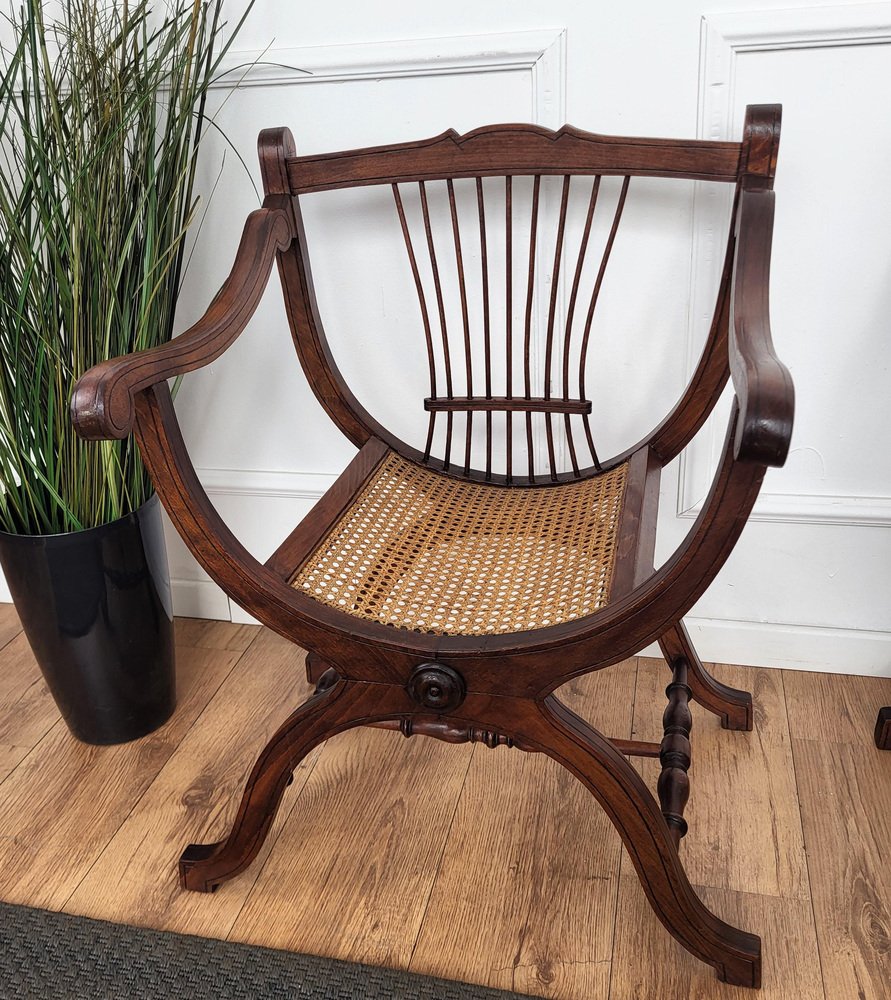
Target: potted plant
<point x="101" y="114"/>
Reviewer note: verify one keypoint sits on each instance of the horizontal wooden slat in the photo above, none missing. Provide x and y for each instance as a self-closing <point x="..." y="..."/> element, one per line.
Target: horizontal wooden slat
<point x="505" y="150"/>
<point x="535" y="404"/>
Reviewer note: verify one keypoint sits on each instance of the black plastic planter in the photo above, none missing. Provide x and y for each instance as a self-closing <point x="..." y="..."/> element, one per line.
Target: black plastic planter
<point x="95" y="606"/>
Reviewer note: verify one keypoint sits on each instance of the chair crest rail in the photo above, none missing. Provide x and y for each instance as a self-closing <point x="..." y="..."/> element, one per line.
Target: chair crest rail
<point x="511" y="149"/>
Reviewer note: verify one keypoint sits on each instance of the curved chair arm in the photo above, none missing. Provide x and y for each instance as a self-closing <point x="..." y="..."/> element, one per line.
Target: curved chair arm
<point x="102" y="402"/>
<point x="762" y="382"/>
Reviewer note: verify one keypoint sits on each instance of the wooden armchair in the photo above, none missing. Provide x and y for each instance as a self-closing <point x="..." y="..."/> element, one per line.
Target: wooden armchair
<point x="450" y="596"/>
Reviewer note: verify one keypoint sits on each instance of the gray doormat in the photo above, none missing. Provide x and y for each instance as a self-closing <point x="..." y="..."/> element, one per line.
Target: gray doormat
<point x="53" y="956"/>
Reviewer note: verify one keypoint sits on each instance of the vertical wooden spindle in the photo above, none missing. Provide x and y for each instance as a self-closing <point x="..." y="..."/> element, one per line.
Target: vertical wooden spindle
<point x="594" y="295"/>
<point x="509" y="323"/>
<point x="440" y="302"/>
<point x="552" y="311"/>
<point x="527" y="328"/>
<point x="674" y="783"/>
<point x="425" y="316"/>
<point x="570" y="314"/>
<point x="487" y="337"/>
<point x="462" y="290"/>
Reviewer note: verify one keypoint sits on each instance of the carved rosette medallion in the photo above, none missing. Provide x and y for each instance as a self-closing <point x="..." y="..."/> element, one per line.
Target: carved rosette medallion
<point x="437" y="687"/>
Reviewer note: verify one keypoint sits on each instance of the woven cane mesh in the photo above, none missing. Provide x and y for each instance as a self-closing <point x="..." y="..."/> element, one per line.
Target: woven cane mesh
<point x="426" y="552"/>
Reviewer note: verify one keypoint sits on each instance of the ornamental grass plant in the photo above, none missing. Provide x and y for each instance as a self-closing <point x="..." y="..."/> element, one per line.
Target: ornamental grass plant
<point x="102" y="109"/>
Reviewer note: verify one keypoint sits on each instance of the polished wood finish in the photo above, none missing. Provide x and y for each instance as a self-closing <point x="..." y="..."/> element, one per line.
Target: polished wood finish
<point x="532" y="404"/>
<point x="499" y="150"/>
<point x="557" y="918"/>
<point x="883" y="729"/>
<point x="733" y="707"/>
<point x="499" y="690"/>
<point x="674" y="752"/>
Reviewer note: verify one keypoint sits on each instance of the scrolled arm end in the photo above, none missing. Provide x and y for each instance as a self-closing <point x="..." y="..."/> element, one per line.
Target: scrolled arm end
<point x="762" y="382"/>
<point x="767" y="407"/>
<point x="102" y="403"/>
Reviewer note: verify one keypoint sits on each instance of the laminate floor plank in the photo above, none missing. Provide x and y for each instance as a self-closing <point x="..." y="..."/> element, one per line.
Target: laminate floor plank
<point x="846" y="807"/>
<point x="10" y="626"/>
<point x="215" y="635"/>
<point x="27" y="710"/>
<point x="194" y="798"/>
<point x="10" y="758"/>
<point x="526" y="893"/>
<point x="351" y="873"/>
<point x="62" y="804"/>
<point x="649" y="964"/>
<point x="492" y="866"/>
<point x="835" y="708"/>
<point x="744" y="823"/>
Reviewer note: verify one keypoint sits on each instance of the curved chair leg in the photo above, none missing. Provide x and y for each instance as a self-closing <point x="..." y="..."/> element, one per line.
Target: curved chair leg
<point x="733" y="706"/>
<point x="883" y="729"/>
<point x="558" y="732"/>
<point x="336" y="705"/>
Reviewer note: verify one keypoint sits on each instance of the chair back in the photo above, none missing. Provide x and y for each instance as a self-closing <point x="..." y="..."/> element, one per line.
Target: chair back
<point x="507" y="233"/>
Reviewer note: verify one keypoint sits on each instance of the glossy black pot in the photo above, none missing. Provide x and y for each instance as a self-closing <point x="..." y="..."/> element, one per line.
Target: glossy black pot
<point x="95" y="606"/>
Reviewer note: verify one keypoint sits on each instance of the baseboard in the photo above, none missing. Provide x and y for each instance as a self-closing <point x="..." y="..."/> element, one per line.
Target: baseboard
<point x="199" y="599"/>
<point x="792" y="647"/>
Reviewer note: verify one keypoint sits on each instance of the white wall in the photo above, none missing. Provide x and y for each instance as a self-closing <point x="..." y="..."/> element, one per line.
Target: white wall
<point x="807" y="585"/>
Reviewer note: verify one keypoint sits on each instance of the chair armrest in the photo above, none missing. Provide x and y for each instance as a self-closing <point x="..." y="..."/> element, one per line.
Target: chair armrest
<point x="102" y="401"/>
<point x="762" y="382"/>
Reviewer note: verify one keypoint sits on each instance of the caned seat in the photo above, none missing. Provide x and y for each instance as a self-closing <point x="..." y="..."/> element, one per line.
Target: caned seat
<point x="420" y="550"/>
<point x="448" y="585"/>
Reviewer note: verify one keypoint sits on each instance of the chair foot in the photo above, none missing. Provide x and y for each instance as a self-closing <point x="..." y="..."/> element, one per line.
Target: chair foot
<point x="190" y="867"/>
<point x="732" y="706"/>
<point x="883" y="729"/>
<point x="558" y="732"/>
<point x="333" y="708"/>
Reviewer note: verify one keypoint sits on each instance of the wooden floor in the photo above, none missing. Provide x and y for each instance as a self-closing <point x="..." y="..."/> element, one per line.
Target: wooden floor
<point x="492" y="866"/>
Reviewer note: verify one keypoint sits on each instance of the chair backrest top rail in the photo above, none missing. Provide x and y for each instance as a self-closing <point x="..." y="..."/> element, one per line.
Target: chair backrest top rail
<point x="508" y="150"/>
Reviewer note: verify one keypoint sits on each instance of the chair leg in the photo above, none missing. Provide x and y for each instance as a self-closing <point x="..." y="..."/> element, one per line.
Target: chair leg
<point x="733" y="706"/>
<point x="883" y="729"/>
<point x="335" y="706"/>
<point x="558" y="732"/>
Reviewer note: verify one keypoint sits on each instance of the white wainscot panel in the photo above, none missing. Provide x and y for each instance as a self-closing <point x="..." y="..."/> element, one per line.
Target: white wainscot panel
<point x="830" y="293"/>
<point x="808" y="583"/>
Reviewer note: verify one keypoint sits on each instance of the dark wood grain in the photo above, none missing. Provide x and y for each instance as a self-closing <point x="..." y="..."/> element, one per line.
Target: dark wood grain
<point x="675" y="754"/>
<point x="760" y="146"/>
<point x="637" y="524"/>
<point x="494" y="689"/>
<point x="531" y="404"/>
<point x="496" y="150"/>
<point x="762" y="382"/>
<point x="883" y="729"/>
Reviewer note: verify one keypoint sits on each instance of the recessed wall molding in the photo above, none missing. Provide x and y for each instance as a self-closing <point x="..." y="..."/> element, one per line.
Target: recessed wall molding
<point x="541" y="53"/>
<point x="813" y="508"/>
